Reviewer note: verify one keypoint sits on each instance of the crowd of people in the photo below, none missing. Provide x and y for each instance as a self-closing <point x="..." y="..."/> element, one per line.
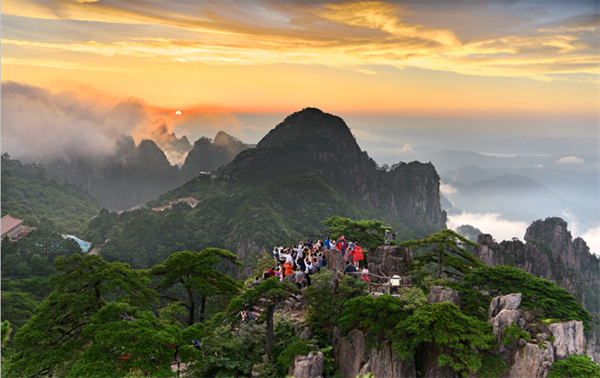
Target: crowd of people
<point x="308" y="258"/>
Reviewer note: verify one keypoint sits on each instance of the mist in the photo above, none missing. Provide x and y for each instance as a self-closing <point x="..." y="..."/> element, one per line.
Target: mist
<point x="40" y="126"/>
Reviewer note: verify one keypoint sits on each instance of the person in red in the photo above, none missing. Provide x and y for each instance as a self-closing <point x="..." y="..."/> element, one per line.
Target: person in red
<point x="357" y="255"/>
<point x="289" y="268"/>
<point x="341" y="244"/>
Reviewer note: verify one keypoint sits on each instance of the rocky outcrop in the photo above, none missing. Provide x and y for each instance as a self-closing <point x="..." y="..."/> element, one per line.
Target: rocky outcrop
<point x="438" y="294"/>
<point x="532" y="258"/>
<point x="389" y="260"/>
<point x="384" y="362"/>
<point x="349" y="353"/>
<point x="353" y="358"/>
<point x="310" y="366"/>
<point x="549" y="342"/>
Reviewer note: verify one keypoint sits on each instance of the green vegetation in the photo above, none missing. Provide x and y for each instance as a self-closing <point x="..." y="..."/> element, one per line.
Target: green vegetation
<point x="195" y="272"/>
<point x="369" y="234"/>
<point x="513" y="332"/>
<point x="554" y="301"/>
<point x="461" y="339"/>
<point x="34" y="255"/>
<point x="575" y="366"/>
<point x="29" y="193"/>
<point x="446" y="251"/>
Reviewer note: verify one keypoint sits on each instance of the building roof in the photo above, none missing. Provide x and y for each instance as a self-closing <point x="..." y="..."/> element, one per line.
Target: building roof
<point x="9" y="222"/>
<point x="188" y="199"/>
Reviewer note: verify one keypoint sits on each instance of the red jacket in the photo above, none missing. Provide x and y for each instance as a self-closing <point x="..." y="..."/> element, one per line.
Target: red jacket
<point x="341" y="245"/>
<point x="357" y="253"/>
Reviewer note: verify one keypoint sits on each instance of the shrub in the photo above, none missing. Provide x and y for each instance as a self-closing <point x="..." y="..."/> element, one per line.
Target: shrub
<point x="580" y="366"/>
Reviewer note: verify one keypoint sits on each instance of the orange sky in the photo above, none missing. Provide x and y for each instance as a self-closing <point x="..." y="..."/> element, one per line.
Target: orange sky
<point x="369" y="57"/>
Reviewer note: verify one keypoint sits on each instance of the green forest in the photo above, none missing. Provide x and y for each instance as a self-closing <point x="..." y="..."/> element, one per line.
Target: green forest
<point x="31" y="194"/>
<point x="107" y="319"/>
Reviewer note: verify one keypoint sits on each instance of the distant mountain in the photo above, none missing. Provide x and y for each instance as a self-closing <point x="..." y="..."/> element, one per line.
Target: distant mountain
<point x="130" y="176"/>
<point x="305" y="170"/>
<point x="580" y="188"/>
<point x="29" y="193"/>
<point x="208" y="156"/>
<point x="515" y="197"/>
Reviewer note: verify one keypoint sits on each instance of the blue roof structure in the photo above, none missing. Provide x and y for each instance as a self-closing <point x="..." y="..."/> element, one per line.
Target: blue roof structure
<point x="85" y="246"/>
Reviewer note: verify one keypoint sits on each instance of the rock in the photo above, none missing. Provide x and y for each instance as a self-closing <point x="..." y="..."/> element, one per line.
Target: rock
<point x="310" y="366"/>
<point x="508" y="302"/>
<point x="389" y="260"/>
<point x="307" y="333"/>
<point x="384" y="362"/>
<point x="349" y="353"/>
<point x="522" y="343"/>
<point x="439" y="294"/>
<point x="531" y="362"/>
<point x="568" y="338"/>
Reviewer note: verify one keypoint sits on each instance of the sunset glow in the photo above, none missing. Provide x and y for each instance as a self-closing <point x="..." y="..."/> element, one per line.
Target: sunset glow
<point x="378" y="57"/>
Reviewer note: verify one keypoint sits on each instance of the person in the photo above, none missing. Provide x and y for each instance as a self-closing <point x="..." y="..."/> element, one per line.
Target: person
<point x="321" y="262"/>
<point x="299" y="278"/>
<point x="357" y="255"/>
<point x="289" y="268"/>
<point x="256" y="281"/>
<point x="308" y="270"/>
<point x="394" y="284"/>
<point x="365" y="275"/>
<point x="272" y="272"/>
<point x="341" y="244"/>
<point x="289" y="258"/>
<point x="266" y="274"/>
<point x="309" y="245"/>
<point x="349" y="269"/>
<point x="328" y="242"/>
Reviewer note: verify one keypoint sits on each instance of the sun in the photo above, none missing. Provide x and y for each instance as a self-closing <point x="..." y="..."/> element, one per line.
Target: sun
<point x="178" y="112"/>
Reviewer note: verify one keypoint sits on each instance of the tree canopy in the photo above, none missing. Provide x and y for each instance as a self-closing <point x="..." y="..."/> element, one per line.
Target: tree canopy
<point x="445" y="249"/>
<point x="195" y="271"/>
<point x="367" y="233"/>
<point x="52" y="341"/>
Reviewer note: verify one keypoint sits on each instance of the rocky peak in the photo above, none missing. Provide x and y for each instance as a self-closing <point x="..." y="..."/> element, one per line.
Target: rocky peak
<point x="299" y="128"/>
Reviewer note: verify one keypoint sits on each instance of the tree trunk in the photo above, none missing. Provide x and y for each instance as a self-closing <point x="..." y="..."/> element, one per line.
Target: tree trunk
<point x="192" y="307"/>
<point x="270" y="311"/>
<point x="202" y="308"/>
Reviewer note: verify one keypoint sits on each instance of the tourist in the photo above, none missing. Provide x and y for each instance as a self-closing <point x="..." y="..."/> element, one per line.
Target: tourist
<point x="299" y="278"/>
<point x="350" y="269"/>
<point x="357" y="255"/>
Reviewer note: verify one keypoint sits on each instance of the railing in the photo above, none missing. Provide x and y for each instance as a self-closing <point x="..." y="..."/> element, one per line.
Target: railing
<point x="384" y="281"/>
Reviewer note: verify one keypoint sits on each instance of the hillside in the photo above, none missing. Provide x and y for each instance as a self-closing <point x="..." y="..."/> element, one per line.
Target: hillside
<point x="305" y="170"/>
<point x="130" y="176"/>
<point x="28" y="192"/>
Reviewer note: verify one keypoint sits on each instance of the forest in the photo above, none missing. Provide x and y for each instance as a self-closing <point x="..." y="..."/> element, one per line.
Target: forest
<point x="108" y="319"/>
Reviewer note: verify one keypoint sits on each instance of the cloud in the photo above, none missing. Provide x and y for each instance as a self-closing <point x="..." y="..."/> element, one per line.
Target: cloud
<point x="591" y="235"/>
<point x="447" y="189"/>
<point x="40" y="126"/>
<point x="489" y="223"/>
<point x="592" y="239"/>
<point x="352" y="35"/>
<point x="570" y="160"/>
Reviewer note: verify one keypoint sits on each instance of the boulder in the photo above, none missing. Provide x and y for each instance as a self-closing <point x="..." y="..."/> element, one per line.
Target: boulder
<point x="439" y="294"/>
<point x="389" y="260"/>
<point x="508" y="302"/>
<point x="310" y="366"/>
<point x="568" y="338"/>
<point x="384" y="362"/>
<point x="532" y="362"/>
<point x="349" y="353"/>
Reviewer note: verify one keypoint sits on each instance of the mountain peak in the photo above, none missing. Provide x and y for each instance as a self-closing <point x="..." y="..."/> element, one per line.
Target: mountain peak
<point x="307" y="124"/>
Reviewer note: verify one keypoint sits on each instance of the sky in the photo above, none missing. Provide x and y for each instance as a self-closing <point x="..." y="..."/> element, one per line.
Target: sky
<point x="78" y="73"/>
